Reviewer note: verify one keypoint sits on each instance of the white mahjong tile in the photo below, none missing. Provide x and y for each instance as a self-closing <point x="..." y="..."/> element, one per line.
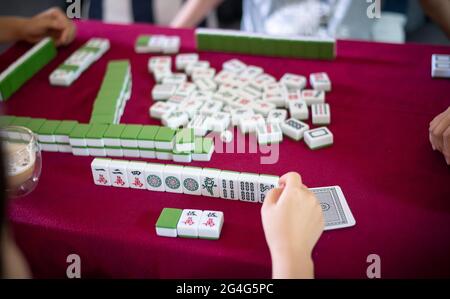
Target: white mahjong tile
<point x="156" y="43"/>
<point x="250" y="92"/>
<point x="440" y="66"/>
<point x="95" y="152"/>
<point x="294" y="128"/>
<point x="251" y="72"/>
<point x="321" y="114"/>
<point x="136" y="174"/>
<point x="262" y="80"/>
<point x="203" y="73"/>
<point x="239" y="113"/>
<point x="209" y="180"/>
<point x="201" y="96"/>
<point x="262" y="107"/>
<point x="198" y="65"/>
<point x="191" y="180"/>
<point x="171" y="45"/>
<point x="188" y="224"/>
<point x="175" y="78"/>
<point x="224" y="96"/>
<point x="100" y="171"/>
<point x="274" y="97"/>
<point x="182" y="60"/>
<point x="269" y="133"/>
<point x="318" y="137"/>
<point x="205" y="84"/>
<point x="242" y="102"/>
<point x="298" y="110"/>
<point x="224" y="76"/>
<point x="62" y="77"/>
<point x="218" y="121"/>
<point x="292" y="96"/>
<point x="160" y="109"/>
<point x="199" y="124"/>
<point x="172" y="178"/>
<point x="248" y="183"/>
<point x="229" y="184"/>
<point x="234" y="66"/>
<point x="159" y="62"/>
<point x="147" y="153"/>
<point x="161" y="92"/>
<point x="118" y="173"/>
<point x="210" y="107"/>
<point x="191" y="106"/>
<point x="311" y="96"/>
<point x="277" y="116"/>
<point x="177" y="99"/>
<point x="265" y="184"/>
<point x="249" y="124"/>
<point x="320" y="81"/>
<point x="210" y="225"/>
<point x="154" y="177"/>
<point x="186" y="89"/>
<point x="182" y="157"/>
<point x="160" y="73"/>
<point x="175" y="119"/>
<point x="293" y="81"/>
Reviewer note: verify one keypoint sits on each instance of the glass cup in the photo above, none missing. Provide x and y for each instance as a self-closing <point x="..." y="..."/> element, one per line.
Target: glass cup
<point x="23" y="160"/>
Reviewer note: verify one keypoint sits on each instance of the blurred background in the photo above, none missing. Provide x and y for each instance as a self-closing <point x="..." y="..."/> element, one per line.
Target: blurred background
<point x="401" y="20"/>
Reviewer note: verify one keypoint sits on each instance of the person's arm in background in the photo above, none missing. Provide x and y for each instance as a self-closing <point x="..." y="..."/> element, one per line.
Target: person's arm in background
<point x="440" y="134"/>
<point x="439" y="11"/>
<point x="193" y="12"/>
<point x="52" y="22"/>
<point x="293" y="222"/>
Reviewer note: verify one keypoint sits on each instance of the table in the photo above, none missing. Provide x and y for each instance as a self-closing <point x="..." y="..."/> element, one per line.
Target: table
<point x="398" y="189"/>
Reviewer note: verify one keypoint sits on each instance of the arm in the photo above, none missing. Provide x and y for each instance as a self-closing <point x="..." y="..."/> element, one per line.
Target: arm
<point x="52" y="22"/>
<point x="193" y="12"/>
<point x="293" y="222"/>
<point x="439" y="11"/>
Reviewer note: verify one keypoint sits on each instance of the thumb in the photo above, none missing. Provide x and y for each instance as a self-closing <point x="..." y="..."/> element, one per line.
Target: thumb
<point x="272" y="197"/>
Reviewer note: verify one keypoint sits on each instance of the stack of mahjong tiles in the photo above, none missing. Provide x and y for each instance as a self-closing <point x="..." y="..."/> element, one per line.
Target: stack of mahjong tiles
<point x="79" y="61"/>
<point x="189" y="223"/>
<point x="26" y="67"/>
<point x="114" y="92"/>
<point x="116" y="140"/>
<point x="157" y="44"/>
<point x="210" y="182"/>
<point x="240" y="95"/>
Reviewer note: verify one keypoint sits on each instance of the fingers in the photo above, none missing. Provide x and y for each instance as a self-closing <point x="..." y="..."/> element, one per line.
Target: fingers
<point x="272" y="197"/>
<point x="437" y="128"/>
<point x="291" y="180"/>
<point x="446" y="145"/>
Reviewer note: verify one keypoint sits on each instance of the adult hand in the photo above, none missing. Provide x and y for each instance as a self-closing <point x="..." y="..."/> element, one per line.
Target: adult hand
<point x="52" y="22"/>
<point x="293" y="223"/>
<point x="440" y="134"/>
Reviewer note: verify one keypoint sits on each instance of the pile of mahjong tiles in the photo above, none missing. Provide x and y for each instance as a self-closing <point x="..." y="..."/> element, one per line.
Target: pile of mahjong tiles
<point x="113" y="140"/>
<point x="240" y="95"/>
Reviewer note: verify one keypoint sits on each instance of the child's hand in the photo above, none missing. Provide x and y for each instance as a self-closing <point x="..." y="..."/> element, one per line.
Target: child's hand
<point x="293" y="222"/>
<point x="52" y="22"/>
<point x="440" y="134"/>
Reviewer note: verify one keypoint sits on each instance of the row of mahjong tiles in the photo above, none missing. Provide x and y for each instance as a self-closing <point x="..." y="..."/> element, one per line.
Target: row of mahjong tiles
<point x="237" y="101"/>
<point x="211" y="182"/>
<point x="115" y="140"/>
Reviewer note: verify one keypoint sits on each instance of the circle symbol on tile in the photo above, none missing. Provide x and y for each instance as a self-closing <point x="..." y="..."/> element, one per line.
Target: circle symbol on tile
<point x="154" y="181"/>
<point x="190" y="184"/>
<point x="172" y="182"/>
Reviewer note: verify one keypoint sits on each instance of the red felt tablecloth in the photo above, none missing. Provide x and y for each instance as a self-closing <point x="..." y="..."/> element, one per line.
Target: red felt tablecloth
<point x="398" y="189"/>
